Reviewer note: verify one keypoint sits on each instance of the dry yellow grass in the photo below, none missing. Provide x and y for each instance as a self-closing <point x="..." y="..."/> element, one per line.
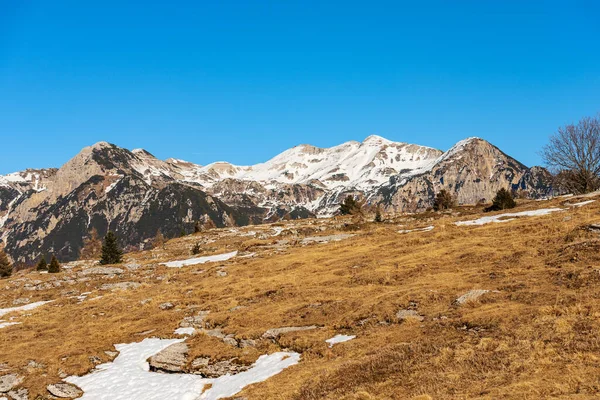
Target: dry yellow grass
<point x="536" y="337"/>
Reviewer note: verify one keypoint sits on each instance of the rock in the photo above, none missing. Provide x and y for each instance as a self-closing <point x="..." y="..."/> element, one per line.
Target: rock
<point x="275" y="332"/>
<point x="204" y="367"/>
<point x="8" y="382"/>
<point x="406" y="314"/>
<point x="166" y="306"/>
<point x="102" y="271"/>
<point x="326" y="239"/>
<point x="145" y="301"/>
<point x="64" y="390"/>
<point x="196" y="321"/>
<point x="221" y="273"/>
<point x="171" y="359"/>
<point x="120" y="286"/>
<point x="20" y="394"/>
<point x="22" y="300"/>
<point x="111" y="354"/>
<point x="132" y="266"/>
<point x="471" y="295"/>
<point x="247" y="343"/>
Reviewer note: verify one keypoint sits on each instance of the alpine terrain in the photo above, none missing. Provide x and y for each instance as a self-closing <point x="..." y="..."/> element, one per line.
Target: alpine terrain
<point x="134" y="194"/>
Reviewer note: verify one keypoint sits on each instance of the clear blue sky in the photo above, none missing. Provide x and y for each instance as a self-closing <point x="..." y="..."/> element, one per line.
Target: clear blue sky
<point x="243" y="80"/>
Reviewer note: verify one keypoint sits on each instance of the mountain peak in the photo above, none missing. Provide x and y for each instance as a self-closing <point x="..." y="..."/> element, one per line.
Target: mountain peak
<point x="375" y="139"/>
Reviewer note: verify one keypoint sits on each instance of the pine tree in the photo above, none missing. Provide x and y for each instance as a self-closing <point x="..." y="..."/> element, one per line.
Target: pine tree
<point x="54" y="266"/>
<point x="6" y="267"/>
<point x="443" y="201"/>
<point x="197" y="227"/>
<point x="111" y="253"/>
<point x="182" y="233"/>
<point x="502" y="201"/>
<point x="196" y="249"/>
<point x="378" y="216"/>
<point x="348" y="207"/>
<point x="42" y="265"/>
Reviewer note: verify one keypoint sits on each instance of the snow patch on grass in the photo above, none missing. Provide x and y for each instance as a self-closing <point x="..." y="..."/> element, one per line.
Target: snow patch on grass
<point x="128" y="376"/>
<point x="339" y="339"/>
<point x="200" y="260"/>
<point x="26" y="307"/>
<point x="508" y="216"/>
<point x="185" y="331"/>
<point x="426" y="229"/>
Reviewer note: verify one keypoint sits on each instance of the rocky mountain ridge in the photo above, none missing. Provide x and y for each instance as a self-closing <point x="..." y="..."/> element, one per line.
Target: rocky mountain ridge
<point x="106" y="187"/>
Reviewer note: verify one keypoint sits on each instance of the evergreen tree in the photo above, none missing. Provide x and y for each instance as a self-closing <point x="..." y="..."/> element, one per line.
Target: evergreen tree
<point x="197" y="227"/>
<point x="111" y="253"/>
<point x="54" y="266"/>
<point x="378" y="216"/>
<point x="182" y="233"/>
<point x="196" y="249"/>
<point x="502" y="201"/>
<point x="349" y="206"/>
<point x="159" y="240"/>
<point x="6" y="267"/>
<point x="443" y="201"/>
<point x="92" y="246"/>
<point x="42" y="265"/>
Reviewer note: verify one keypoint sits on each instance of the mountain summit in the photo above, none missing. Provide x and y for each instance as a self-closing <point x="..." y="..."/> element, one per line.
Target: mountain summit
<point x="133" y="193"/>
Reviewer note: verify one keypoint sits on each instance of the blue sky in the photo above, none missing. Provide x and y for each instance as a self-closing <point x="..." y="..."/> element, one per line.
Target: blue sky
<point x="243" y="80"/>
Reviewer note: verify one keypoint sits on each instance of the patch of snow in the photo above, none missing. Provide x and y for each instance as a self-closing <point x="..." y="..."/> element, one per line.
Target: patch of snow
<point x="4" y="324"/>
<point x="426" y="229"/>
<point x="581" y="204"/>
<point x="200" y="260"/>
<point x="509" y="216"/>
<point x="26" y="307"/>
<point x="128" y="376"/>
<point x="339" y="339"/>
<point x="185" y="331"/>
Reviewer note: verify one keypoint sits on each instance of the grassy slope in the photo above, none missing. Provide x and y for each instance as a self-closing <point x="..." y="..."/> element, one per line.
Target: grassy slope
<point x="534" y="338"/>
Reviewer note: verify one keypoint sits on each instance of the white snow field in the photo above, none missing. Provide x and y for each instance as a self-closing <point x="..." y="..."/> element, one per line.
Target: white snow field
<point x="339" y="339"/>
<point x="128" y="377"/>
<point x="509" y="216"/>
<point x="26" y="307"/>
<point x="200" y="260"/>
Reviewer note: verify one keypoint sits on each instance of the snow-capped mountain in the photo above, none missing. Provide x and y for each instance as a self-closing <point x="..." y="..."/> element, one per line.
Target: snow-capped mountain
<point x="106" y="187"/>
<point x="350" y="165"/>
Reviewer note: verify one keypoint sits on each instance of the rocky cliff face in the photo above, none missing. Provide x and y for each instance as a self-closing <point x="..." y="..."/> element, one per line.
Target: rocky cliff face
<point x="109" y="188"/>
<point x="134" y="194"/>
<point x="472" y="171"/>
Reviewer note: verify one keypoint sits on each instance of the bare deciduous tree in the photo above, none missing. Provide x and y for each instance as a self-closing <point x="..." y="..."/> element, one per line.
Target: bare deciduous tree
<point x="573" y="155"/>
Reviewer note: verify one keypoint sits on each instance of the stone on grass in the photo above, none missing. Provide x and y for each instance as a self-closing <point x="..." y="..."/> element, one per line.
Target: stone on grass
<point x="406" y="314"/>
<point x="64" y="390"/>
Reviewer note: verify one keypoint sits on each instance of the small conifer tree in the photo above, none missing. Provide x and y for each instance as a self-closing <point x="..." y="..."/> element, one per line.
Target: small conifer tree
<point x="159" y="240"/>
<point x="6" y="267"/>
<point x="443" y="201"/>
<point x="182" y="233"/>
<point x="197" y="227"/>
<point x="502" y="201"/>
<point x="196" y="249"/>
<point x="42" y="265"/>
<point x="378" y="216"/>
<point x="111" y="252"/>
<point x="54" y="266"/>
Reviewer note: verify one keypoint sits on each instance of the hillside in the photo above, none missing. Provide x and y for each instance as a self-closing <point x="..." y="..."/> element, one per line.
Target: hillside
<point x="106" y="187"/>
<point x="447" y="306"/>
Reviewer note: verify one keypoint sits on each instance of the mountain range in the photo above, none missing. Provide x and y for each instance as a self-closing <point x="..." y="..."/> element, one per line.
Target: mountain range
<point x="106" y="187"/>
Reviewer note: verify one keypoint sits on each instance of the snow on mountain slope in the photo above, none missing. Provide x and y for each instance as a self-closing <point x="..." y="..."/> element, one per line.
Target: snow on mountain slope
<point x="361" y="166"/>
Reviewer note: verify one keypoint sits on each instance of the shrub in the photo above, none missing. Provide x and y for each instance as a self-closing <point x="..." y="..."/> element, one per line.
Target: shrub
<point x="443" y="201"/>
<point x="111" y="253"/>
<point x="196" y="249"/>
<point x="54" y="266"/>
<point x="42" y="265"/>
<point x="502" y="201"/>
<point x="6" y="267"/>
